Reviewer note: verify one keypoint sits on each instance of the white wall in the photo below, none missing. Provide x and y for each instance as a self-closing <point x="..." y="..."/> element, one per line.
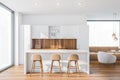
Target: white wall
<point x="17" y="49"/>
<point x="75" y="24"/>
<point x="21" y="44"/>
<point x="39" y="31"/>
<point x="54" y="19"/>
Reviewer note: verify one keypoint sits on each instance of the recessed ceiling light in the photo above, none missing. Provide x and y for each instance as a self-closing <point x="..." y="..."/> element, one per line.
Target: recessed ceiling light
<point x="36" y="4"/>
<point x="79" y="4"/>
<point x="58" y="3"/>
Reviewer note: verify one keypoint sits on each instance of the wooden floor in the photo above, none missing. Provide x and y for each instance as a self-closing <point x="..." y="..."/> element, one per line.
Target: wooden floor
<point x="97" y="72"/>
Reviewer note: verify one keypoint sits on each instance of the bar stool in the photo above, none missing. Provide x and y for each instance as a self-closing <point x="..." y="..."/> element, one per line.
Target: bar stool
<point x="71" y="58"/>
<point x="35" y="58"/>
<point x="55" y="57"/>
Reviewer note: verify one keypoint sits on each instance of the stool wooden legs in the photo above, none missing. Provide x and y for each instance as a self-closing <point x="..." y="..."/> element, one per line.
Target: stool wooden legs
<point x="60" y="67"/>
<point x="52" y="66"/>
<point x="33" y="67"/>
<point x="77" y="66"/>
<point x="41" y="66"/>
<point x="69" y="65"/>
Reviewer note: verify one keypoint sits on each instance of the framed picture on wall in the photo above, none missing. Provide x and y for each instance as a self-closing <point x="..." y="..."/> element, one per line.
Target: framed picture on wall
<point x="53" y="31"/>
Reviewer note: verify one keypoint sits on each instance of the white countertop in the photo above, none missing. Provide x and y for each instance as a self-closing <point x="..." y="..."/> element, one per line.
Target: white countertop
<point x="55" y="50"/>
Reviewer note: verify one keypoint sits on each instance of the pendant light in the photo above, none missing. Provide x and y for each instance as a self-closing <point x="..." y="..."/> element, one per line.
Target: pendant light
<point x="114" y="27"/>
<point x="115" y="38"/>
<point x="113" y="35"/>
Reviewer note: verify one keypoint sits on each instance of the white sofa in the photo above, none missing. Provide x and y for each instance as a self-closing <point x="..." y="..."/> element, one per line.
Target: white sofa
<point x="104" y="57"/>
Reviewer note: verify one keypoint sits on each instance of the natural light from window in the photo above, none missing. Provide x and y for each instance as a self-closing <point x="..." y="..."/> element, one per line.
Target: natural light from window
<point x="100" y="33"/>
<point x="5" y="38"/>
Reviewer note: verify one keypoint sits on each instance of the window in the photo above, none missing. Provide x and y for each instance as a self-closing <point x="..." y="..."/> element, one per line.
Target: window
<point x="6" y="37"/>
<point x="100" y="33"/>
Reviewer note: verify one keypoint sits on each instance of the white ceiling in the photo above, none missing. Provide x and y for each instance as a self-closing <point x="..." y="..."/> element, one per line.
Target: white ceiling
<point x="93" y="9"/>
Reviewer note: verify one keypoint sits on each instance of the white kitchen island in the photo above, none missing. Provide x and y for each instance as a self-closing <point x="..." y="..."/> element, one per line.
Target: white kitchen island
<point x="46" y="54"/>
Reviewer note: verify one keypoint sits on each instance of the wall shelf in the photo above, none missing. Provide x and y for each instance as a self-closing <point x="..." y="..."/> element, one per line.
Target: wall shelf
<point x="54" y="43"/>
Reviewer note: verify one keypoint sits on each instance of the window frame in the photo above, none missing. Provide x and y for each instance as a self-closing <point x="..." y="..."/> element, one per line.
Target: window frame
<point x="12" y="34"/>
